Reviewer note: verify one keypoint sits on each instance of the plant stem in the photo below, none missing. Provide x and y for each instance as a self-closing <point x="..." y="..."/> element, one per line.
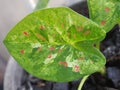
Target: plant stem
<point x="82" y="82"/>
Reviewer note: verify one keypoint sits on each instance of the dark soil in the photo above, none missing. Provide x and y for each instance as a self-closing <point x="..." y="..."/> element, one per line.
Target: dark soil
<point x="110" y="81"/>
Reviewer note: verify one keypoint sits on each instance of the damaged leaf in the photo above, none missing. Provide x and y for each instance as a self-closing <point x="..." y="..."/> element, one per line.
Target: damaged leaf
<point x="106" y="13"/>
<point x="56" y="44"/>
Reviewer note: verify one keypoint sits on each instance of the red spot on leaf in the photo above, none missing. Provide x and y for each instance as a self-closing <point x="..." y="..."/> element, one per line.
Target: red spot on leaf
<point x="50" y="56"/>
<point x="107" y="9"/>
<point x="51" y="48"/>
<point x="42" y="27"/>
<point x="25" y="33"/>
<point x="103" y="22"/>
<point x="22" y="51"/>
<point x="76" y="68"/>
<point x="63" y="63"/>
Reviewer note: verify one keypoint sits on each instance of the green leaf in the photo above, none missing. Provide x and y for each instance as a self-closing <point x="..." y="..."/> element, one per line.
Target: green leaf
<point x="105" y="12"/>
<point x="41" y="4"/>
<point x="56" y="44"/>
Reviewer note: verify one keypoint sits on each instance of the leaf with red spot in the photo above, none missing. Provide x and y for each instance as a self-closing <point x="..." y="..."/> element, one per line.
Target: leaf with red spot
<point x="22" y="51"/>
<point x="63" y="63"/>
<point x="103" y="22"/>
<point x="51" y="51"/>
<point x="51" y="48"/>
<point x="105" y="12"/>
<point x="107" y="9"/>
<point x="76" y="68"/>
<point x="50" y="56"/>
<point x="25" y="33"/>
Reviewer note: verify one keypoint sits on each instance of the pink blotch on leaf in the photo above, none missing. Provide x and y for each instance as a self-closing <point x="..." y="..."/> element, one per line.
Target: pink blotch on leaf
<point x="76" y="68"/>
<point x="63" y="63"/>
<point x="25" y="33"/>
<point x="51" y="48"/>
<point x="107" y="9"/>
<point x="103" y="22"/>
<point x="22" y="51"/>
<point x="50" y="56"/>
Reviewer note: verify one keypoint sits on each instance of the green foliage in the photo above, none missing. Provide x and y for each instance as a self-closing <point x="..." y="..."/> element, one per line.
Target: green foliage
<point x="41" y="4"/>
<point x="105" y="12"/>
<point x="56" y="44"/>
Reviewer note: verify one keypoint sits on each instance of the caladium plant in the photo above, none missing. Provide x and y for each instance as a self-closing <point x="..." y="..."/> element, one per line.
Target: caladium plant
<point x="56" y="44"/>
<point x="106" y="13"/>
